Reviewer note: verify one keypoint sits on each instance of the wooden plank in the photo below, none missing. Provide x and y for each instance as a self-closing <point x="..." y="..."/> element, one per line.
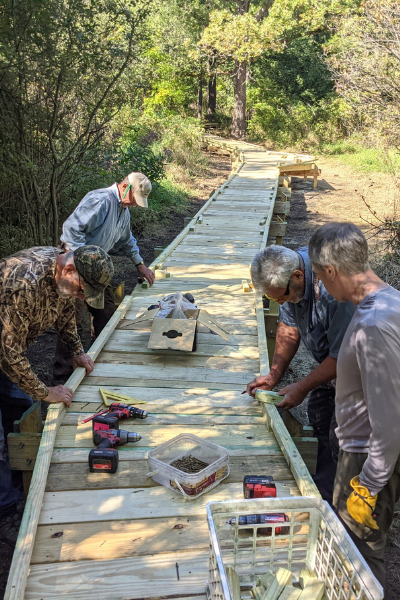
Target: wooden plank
<point x="125" y="578"/>
<point x="300" y="473"/>
<point x="179" y="360"/>
<point x="176" y="419"/>
<point x="186" y="230"/>
<point x="76" y="476"/>
<point x="72" y="436"/>
<point x="69" y="455"/>
<point x="119" y="539"/>
<point x="137" y="503"/>
<point x="55" y="414"/>
<point x="129" y="345"/>
<point x="104" y="374"/>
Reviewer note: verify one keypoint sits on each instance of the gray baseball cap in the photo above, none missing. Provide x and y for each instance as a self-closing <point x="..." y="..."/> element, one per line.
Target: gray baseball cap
<point x="96" y="269"/>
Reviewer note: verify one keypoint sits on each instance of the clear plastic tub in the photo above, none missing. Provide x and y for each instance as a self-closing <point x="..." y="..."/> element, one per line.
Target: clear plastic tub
<point x="190" y="485"/>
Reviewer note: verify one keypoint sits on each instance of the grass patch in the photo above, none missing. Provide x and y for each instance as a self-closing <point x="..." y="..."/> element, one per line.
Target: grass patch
<point x="362" y="159"/>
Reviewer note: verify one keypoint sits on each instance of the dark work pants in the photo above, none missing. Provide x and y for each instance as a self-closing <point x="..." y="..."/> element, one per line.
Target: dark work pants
<point x="11" y="409"/>
<point x="321" y="414"/>
<point x="63" y="362"/>
<point x="370" y="542"/>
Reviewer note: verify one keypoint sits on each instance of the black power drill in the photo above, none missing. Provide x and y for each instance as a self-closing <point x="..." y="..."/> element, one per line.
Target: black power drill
<point x="106" y="436"/>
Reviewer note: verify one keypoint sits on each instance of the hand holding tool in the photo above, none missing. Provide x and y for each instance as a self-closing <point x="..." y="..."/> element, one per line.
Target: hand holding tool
<point x="361" y="505"/>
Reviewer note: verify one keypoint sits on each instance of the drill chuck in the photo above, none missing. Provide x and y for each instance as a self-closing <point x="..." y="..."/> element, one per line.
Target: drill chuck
<point x="127" y="437"/>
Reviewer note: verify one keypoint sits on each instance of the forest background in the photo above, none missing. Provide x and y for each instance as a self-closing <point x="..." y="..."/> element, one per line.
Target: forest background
<point x="93" y="89"/>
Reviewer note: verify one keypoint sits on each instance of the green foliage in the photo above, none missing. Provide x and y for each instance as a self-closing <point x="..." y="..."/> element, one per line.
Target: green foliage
<point x="165" y="198"/>
<point x="291" y="98"/>
<point x="363" y="159"/>
<point x="141" y="159"/>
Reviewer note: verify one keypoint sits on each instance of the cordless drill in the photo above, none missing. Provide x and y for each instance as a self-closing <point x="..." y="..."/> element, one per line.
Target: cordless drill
<point x="106" y="437"/>
<point x="126" y="411"/>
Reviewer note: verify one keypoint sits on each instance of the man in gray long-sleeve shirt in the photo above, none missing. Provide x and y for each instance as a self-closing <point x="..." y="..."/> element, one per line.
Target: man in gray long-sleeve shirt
<point x="102" y="219"/>
<point x="367" y="483"/>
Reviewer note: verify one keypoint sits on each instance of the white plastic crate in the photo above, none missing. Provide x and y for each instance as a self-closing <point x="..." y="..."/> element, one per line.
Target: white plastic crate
<point x="313" y="538"/>
<point x="190" y="485"/>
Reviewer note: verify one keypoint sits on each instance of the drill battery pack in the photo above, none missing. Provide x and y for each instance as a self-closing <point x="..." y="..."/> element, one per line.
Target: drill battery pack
<point x="259" y="486"/>
<point x="104" y="460"/>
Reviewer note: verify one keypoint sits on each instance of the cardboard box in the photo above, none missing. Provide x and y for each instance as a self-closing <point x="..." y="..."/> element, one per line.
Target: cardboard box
<point x="178" y="334"/>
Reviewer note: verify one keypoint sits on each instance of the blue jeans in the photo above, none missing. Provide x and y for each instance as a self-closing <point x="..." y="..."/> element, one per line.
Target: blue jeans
<point x="13" y="403"/>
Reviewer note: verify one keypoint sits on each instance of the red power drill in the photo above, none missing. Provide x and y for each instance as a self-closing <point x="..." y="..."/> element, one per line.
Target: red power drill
<point x="106" y="437"/>
<point x="259" y="486"/>
<point x="126" y="411"/>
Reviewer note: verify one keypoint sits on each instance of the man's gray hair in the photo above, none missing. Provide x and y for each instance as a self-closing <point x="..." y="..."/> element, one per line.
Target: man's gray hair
<point x="341" y="245"/>
<point x="273" y="267"/>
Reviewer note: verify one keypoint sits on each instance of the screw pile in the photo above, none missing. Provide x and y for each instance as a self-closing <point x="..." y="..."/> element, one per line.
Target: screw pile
<point x="189" y="464"/>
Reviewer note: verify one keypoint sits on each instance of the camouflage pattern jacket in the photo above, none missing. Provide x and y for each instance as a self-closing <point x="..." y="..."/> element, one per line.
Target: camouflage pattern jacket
<point x="30" y="304"/>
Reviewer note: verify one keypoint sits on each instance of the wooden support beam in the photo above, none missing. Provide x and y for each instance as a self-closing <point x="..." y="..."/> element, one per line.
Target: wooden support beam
<point x="30" y="429"/>
<point x="23" y="449"/>
<point x="271" y="324"/>
<point x="119" y="293"/>
<point x="282" y="207"/>
<point x="157" y="251"/>
<point x="296" y="464"/>
<point x="277" y="229"/>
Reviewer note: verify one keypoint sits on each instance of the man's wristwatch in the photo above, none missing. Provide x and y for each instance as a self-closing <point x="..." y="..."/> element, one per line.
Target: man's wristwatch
<point x="140" y="263"/>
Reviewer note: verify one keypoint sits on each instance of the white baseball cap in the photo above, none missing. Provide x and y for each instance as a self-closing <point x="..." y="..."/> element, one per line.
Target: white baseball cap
<point x="141" y="187"/>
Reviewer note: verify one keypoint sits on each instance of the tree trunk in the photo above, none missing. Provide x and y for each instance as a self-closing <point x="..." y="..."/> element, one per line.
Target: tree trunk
<point x="53" y="195"/>
<point x="238" y="128"/>
<point x="212" y="88"/>
<point x="200" y="99"/>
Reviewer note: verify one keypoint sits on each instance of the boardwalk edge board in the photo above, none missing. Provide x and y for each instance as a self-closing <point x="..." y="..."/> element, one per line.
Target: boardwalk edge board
<point x="257" y="177"/>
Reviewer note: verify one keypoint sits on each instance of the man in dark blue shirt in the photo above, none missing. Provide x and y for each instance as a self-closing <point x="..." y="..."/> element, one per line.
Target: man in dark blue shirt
<point x="309" y="314"/>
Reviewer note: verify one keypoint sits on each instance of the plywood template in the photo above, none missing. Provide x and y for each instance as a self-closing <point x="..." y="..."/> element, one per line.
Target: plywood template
<point x="95" y="536"/>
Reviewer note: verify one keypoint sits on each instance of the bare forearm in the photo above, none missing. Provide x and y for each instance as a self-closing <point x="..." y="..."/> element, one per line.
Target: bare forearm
<point x="323" y="373"/>
<point x="286" y="346"/>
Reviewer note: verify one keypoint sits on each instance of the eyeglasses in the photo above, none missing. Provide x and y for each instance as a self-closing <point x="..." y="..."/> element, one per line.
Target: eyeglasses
<point x="281" y="298"/>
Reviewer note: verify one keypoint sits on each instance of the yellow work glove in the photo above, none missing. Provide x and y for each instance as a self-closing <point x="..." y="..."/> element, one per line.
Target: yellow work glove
<point x="361" y="504"/>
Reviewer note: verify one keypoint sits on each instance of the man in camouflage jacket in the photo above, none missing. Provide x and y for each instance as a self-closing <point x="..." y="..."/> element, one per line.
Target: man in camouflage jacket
<point x="38" y="288"/>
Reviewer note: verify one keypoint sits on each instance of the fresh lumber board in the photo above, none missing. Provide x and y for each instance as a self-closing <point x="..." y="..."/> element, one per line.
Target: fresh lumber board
<point x="300" y="473"/>
<point x="160" y="419"/>
<point x="76" y="475"/>
<point x="104" y="375"/>
<point x="23" y="550"/>
<point x="137" y="503"/>
<point x="210" y="350"/>
<point x="186" y="360"/>
<point x="136" y="337"/>
<point x="70" y="436"/>
<point x="80" y="541"/>
<point x="125" y="578"/>
<point x="69" y="455"/>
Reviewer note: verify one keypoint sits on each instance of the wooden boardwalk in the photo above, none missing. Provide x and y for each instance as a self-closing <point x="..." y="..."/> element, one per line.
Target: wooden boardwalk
<point x="100" y="536"/>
